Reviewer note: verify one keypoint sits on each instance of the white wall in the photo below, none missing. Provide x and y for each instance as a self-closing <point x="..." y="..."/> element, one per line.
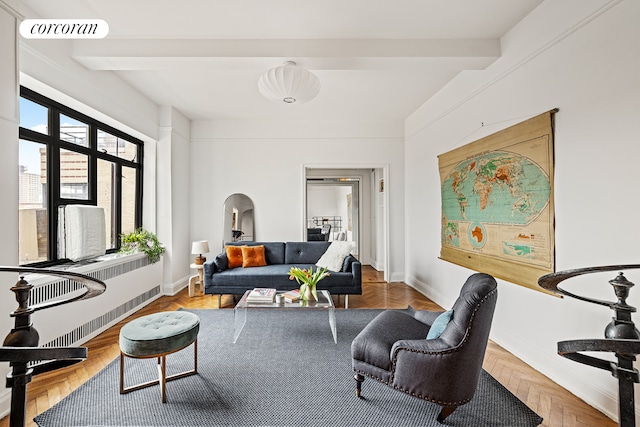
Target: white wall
<point x="581" y="57"/>
<point x="173" y="198"/>
<point x="266" y="160"/>
<point x="322" y="201"/>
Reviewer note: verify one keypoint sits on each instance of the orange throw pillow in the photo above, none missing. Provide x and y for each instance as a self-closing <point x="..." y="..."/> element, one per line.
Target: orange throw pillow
<point x="234" y="255"/>
<point x="253" y="256"/>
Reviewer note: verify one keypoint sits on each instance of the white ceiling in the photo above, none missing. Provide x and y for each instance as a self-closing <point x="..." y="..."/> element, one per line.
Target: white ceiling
<point x="376" y="59"/>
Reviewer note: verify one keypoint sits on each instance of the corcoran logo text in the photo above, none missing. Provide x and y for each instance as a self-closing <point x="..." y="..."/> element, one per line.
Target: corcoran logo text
<point x="64" y="29"/>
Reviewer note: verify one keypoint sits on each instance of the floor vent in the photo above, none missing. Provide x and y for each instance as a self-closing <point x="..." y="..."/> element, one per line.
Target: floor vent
<point x="77" y="334"/>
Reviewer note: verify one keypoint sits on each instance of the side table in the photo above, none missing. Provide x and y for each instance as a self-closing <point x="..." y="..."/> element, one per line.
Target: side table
<point x="196" y="280"/>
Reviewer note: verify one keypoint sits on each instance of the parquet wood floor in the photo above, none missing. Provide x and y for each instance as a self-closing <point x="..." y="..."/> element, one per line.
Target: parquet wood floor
<point x="557" y="406"/>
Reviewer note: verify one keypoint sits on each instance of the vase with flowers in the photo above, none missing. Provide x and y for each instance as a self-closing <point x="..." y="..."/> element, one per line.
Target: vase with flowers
<point x="308" y="279"/>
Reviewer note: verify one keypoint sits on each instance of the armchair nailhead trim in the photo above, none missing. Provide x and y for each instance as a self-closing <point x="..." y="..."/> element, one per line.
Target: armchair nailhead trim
<point x="419" y="396"/>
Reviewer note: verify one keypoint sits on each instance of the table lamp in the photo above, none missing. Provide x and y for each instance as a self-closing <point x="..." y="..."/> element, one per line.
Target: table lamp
<point x="200" y="247"/>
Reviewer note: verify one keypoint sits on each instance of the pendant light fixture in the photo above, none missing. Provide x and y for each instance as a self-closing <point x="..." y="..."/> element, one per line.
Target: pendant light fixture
<point x="289" y="83"/>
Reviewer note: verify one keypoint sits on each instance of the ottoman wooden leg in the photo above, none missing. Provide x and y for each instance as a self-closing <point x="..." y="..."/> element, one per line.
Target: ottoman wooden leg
<point x="122" y="391"/>
<point x="192" y="371"/>
<point x="162" y="373"/>
<point x="162" y="377"/>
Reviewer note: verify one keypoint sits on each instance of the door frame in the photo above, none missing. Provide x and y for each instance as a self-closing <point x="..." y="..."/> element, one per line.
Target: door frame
<point x="385" y="262"/>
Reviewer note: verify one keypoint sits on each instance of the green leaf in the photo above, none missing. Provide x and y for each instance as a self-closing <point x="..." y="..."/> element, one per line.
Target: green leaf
<point x="142" y="240"/>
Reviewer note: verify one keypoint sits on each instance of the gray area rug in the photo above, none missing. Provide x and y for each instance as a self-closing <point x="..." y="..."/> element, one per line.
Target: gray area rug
<point x="284" y="370"/>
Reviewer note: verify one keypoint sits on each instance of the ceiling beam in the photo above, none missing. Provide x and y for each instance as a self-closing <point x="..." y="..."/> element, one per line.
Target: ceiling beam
<point x="121" y="54"/>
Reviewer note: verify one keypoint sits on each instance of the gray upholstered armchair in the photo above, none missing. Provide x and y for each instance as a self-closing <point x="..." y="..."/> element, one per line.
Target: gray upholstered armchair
<point x="393" y="348"/>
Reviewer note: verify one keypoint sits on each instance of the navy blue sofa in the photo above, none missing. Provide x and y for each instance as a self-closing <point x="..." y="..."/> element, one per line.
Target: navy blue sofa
<point x="280" y="257"/>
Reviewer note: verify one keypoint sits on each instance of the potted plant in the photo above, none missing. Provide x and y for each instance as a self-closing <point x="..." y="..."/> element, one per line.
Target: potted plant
<point x="142" y="240"/>
<point x="308" y="279"/>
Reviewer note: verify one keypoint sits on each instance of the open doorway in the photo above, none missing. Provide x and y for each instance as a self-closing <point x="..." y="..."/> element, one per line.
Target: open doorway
<point x="333" y="210"/>
<point x="364" y="222"/>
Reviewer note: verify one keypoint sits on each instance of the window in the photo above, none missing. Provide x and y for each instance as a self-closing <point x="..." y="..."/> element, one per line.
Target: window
<point x="73" y="131"/>
<point x="65" y="158"/>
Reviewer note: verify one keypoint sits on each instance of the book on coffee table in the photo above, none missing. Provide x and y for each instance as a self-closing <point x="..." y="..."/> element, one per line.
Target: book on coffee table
<point x="292" y="296"/>
<point x="264" y="295"/>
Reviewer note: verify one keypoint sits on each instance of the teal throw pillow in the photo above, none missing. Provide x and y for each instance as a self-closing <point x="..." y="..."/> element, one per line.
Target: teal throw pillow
<point x="441" y="322"/>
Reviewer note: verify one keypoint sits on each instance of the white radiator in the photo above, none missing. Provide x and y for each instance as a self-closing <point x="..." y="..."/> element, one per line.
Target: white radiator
<point x="132" y="282"/>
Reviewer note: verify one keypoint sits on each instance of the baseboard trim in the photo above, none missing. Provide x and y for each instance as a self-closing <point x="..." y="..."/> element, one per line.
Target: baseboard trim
<point x="172" y="289"/>
<point x="396" y="277"/>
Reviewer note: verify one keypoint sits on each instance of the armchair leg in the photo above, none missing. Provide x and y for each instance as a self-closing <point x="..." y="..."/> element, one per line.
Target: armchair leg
<point x="359" y="380"/>
<point x="446" y="411"/>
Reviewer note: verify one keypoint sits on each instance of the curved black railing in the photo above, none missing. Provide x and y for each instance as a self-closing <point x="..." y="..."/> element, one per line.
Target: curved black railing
<point x="20" y="347"/>
<point x="621" y="336"/>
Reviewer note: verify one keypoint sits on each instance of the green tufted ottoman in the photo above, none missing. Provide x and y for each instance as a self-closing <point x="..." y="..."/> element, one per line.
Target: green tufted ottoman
<point x="157" y="335"/>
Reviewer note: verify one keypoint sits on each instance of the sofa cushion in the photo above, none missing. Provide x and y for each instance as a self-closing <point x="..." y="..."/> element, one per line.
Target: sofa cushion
<point x="346" y="264"/>
<point x="234" y="256"/>
<point x="253" y="256"/>
<point x="304" y="252"/>
<point x="273" y="251"/>
<point x="221" y="261"/>
<point x="333" y="258"/>
<point x="269" y="276"/>
<point x="236" y="281"/>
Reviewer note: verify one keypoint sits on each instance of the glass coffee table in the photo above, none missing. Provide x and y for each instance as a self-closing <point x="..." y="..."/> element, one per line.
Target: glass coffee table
<point x="324" y="303"/>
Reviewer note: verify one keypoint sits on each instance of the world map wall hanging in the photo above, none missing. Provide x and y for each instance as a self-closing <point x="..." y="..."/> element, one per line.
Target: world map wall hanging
<point x="497" y="203"/>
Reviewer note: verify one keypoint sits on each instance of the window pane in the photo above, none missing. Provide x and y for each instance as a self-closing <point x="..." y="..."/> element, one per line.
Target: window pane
<point x="128" y="200"/>
<point x="106" y="199"/>
<point x="74" y="179"/>
<point x="34" y="116"/>
<point x="115" y="146"/>
<point x="33" y="215"/>
<point x="74" y="131"/>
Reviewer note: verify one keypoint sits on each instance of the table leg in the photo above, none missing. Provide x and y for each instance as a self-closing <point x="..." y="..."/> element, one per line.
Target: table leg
<point x="332" y="323"/>
<point x="239" y="319"/>
<point x="192" y="285"/>
<point x="201" y="276"/>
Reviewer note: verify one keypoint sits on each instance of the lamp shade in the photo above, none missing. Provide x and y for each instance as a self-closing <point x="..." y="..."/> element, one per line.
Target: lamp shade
<point x="289" y="83"/>
<point x="200" y="247"/>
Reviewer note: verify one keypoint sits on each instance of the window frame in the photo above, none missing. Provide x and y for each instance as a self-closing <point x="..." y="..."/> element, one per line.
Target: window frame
<point x="54" y="144"/>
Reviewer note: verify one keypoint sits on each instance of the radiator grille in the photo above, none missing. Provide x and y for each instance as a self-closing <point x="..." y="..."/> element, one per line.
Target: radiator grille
<point x="56" y="289"/>
<point x="59" y="288"/>
<point x="88" y="328"/>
